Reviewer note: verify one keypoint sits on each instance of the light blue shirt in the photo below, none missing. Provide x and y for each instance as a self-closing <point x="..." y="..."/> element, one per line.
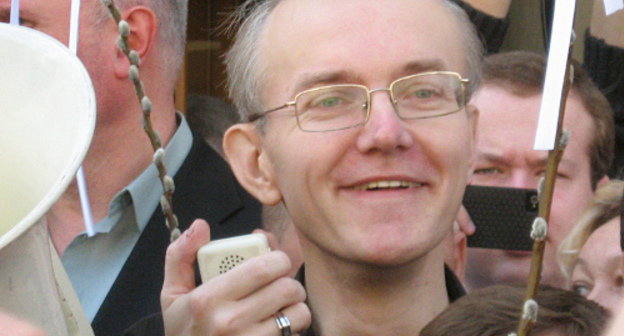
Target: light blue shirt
<point x="93" y="263"/>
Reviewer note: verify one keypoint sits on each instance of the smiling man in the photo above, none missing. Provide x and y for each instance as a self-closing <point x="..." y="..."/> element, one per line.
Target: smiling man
<point x="355" y="120"/>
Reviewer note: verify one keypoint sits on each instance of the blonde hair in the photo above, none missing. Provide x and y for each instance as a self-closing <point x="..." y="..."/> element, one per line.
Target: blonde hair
<point x="604" y="206"/>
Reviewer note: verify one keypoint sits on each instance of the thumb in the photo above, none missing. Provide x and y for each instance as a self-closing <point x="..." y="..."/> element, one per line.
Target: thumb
<point x="465" y="222"/>
<point x="181" y="254"/>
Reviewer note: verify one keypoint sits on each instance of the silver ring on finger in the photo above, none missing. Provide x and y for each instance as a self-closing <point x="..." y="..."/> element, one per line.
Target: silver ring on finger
<point x="283" y="323"/>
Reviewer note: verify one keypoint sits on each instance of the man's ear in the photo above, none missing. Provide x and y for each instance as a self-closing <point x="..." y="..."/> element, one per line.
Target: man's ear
<point x="251" y="166"/>
<point x="473" y="118"/>
<point x="460" y="242"/>
<point x="143" y="28"/>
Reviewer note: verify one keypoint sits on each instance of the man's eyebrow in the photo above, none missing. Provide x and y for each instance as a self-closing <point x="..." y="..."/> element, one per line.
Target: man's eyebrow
<point x="566" y="162"/>
<point x="491" y="157"/>
<point x="422" y="66"/>
<point x="334" y="77"/>
<point x="325" y="78"/>
<point x="499" y="159"/>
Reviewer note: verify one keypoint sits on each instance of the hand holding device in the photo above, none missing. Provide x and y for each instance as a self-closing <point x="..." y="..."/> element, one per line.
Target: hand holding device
<point x="241" y="301"/>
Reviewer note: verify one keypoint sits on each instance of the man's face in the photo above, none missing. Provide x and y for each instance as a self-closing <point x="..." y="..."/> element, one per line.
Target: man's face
<point x="48" y="16"/>
<point x="52" y="17"/>
<point x="94" y="44"/>
<point x="506" y="158"/>
<point x="323" y="176"/>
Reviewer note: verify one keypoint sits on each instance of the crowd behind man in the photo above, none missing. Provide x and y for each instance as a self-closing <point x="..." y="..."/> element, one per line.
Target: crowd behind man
<point x="590" y="256"/>
<point x="495" y="311"/>
<point x="510" y="94"/>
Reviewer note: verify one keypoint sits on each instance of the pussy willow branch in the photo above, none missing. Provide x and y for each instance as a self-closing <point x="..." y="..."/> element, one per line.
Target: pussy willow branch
<point x="547" y="188"/>
<point x="166" y="201"/>
<point x="622" y="221"/>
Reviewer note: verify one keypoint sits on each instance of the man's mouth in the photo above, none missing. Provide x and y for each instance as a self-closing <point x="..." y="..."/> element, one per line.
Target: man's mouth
<point x="518" y="253"/>
<point x="383" y="185"/>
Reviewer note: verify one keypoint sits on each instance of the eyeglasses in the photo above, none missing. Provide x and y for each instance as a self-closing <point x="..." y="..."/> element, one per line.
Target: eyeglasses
<point x="342" y="106"/>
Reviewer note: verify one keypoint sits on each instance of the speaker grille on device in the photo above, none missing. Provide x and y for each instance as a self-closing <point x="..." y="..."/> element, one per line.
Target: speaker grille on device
<point x="230" y="262"/>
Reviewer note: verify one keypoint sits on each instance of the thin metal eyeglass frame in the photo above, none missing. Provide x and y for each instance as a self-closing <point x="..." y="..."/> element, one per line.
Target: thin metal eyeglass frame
<point x="462" y="82"/>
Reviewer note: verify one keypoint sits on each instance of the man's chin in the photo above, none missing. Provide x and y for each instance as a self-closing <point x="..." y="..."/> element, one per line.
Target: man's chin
<point x="503" y="267"/>
<point x="518" y="277"/>
<point x="513" y="268"/>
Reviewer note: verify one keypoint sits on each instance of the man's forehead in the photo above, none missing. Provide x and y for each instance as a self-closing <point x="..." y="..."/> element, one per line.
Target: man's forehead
<point x="494" y="93"/>
<point x="305" y="5"/>
<point x="497" y="102"/>
<point x="359" y="37"/>
<point x="314" y="78"/>
<point x="353" y="16"/>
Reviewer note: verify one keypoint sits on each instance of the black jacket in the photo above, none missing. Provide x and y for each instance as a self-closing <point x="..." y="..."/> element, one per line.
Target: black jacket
<point x="153" y="326"/>
<point x="205" y="188"/>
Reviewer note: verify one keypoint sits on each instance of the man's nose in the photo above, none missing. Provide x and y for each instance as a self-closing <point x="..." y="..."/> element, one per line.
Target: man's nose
<point x="385" y="130"/>
<point x="522" y="179"/>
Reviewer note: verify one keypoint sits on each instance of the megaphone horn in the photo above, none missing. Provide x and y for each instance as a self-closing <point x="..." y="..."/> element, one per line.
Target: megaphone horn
<point x="47" y="120"/>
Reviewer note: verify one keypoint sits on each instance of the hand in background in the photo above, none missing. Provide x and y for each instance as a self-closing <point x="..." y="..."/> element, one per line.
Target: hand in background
<point x="465" y="223"/>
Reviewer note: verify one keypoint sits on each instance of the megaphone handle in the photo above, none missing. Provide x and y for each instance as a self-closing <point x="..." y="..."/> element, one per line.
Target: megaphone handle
<point x="76" y="320"/>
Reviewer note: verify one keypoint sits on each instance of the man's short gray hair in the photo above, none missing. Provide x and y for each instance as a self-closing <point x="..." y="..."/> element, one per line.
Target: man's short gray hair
<point x="246" y="75"/>
<point x="172" y="18"/>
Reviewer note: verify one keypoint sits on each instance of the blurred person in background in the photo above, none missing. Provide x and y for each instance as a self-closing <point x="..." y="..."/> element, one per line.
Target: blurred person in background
<point x="496" y="311"/>
<point x="590" y="256"/>
<point x="509" y="100"/>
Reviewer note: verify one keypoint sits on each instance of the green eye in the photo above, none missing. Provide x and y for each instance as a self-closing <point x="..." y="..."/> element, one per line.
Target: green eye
<point x="423" y="93"/>
<point x="330" y="102"/>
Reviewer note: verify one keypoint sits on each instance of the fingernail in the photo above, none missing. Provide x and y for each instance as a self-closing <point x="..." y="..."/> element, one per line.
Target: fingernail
<point x="189" y="232"/>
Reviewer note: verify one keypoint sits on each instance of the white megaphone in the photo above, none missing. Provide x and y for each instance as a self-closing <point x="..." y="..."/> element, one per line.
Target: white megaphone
<point x="47" y="120"/>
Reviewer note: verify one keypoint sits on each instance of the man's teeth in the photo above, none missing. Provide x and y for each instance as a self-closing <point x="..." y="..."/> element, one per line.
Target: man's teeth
<point x="386" y="185"/>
